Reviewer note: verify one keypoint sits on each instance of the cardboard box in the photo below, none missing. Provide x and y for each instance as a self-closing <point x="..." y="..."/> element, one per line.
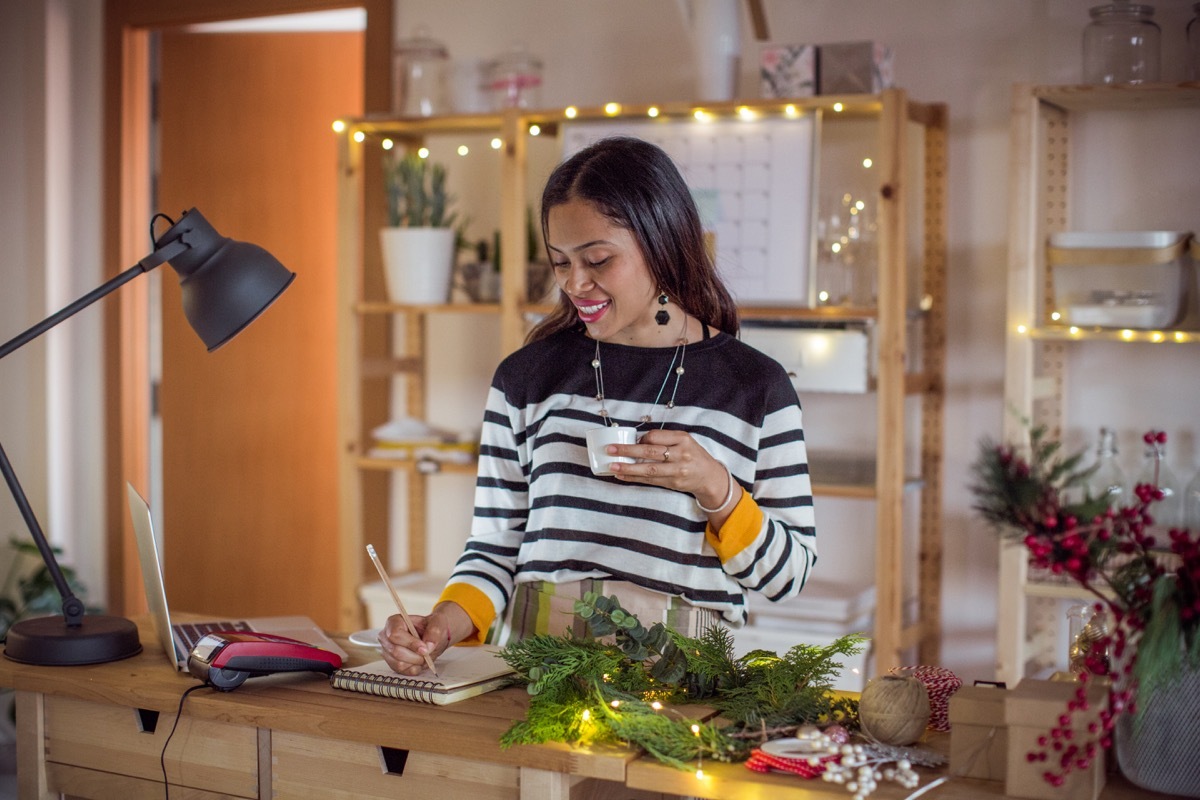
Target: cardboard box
<point x="1031" y="711"/>
<point x="978" y="734"/>
<point x="854" y="68"/>
<point x="788" y="70"/>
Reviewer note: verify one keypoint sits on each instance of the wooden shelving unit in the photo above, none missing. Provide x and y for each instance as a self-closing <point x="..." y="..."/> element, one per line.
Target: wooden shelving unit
<point x="1037" y="346"/>
<point x="366" y="357"/>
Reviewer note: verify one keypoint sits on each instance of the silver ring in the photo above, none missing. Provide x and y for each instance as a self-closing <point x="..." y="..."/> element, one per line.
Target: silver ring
<point x="666" y="454"/>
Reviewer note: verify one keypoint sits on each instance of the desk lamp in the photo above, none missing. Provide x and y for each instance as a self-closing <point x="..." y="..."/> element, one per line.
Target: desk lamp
<point x="226" y="284"/>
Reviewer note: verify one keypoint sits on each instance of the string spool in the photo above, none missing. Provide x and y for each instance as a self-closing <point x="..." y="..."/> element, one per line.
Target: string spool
<point x="894" y="709"/>
<point x="940" y="683"/>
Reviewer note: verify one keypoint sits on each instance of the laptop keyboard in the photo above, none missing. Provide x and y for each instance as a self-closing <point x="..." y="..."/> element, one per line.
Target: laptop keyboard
<point x="192" y="632"/>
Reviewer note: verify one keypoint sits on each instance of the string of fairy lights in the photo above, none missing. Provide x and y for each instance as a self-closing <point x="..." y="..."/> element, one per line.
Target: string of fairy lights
<point x="386" y="134"/>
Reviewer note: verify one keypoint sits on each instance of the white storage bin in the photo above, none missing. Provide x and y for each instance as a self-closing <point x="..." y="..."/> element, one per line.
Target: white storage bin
<point x="1134" y="279"/>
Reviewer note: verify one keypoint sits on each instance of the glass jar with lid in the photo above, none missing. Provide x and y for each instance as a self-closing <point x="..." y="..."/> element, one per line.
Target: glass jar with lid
<point x="514" y="79"/>
<point x="1121" y="45"/>
<point x="419" y="69"/>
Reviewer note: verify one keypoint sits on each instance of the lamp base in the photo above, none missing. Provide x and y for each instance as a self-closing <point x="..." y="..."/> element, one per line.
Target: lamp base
<point x="49" y="641"/>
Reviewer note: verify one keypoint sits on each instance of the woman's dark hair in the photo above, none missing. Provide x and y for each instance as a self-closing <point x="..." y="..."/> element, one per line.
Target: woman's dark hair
<point x="636" y="185"/>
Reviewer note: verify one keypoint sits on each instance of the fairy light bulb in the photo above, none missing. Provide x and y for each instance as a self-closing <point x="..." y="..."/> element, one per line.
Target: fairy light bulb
<point x="359" y="137"/>
<point x="497" y="143"/>
<point x="463" y="149"/>
<point x="790" y="110"/>
<point x="535" y="130"/>
<point x="571" y="112"/>
<point x="339" y="125"/>
<point x="387" y="144"/>
<point x="657" y="706"/>
<point x="612" y="109"/>
<point x="423" y="152"/>
<point x="867" y="163"/>
<point x="652" y="112"/>
<point x="586" y="715"/>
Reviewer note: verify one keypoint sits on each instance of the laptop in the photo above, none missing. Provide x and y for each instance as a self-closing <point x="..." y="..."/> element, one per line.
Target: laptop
<point x="178" y="639"/>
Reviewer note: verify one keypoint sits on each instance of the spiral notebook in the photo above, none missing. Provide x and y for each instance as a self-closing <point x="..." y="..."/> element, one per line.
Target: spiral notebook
<point x="462" y="672"/>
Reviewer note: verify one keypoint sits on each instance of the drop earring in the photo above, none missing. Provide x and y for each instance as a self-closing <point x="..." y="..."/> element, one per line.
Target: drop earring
<point x="662" y="317"/>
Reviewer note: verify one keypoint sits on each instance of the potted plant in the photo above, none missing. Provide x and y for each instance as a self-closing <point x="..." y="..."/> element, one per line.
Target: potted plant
<point x="419" y="243"/>
<point x="1148" y="589"/>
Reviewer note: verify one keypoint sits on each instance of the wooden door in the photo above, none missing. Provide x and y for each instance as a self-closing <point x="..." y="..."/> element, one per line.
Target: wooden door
<point x="250" y="506"/>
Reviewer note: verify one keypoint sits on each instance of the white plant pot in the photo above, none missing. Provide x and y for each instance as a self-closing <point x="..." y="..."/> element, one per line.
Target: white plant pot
<point x="417" y="263"/>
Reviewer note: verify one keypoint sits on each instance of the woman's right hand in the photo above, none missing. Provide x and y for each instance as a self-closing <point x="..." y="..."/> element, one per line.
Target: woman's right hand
<point x="405" y="653"/>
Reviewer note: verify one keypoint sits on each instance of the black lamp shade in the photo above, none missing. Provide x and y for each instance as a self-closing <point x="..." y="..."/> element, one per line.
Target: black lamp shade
<point x="226" y="284"/>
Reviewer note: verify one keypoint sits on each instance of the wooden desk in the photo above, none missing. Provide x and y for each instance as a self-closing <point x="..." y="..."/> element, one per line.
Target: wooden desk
<point x="98" y="732"/>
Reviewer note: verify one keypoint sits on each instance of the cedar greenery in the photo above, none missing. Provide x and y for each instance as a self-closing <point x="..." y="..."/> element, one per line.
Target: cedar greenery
<point x="627" y="683"/>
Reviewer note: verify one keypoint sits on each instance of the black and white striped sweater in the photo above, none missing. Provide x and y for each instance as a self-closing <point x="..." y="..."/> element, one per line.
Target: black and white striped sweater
<point x="540" y="514"/>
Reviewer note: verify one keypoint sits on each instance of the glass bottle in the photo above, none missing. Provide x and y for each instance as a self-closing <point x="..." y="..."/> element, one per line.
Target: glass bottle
<point x="1191" y="505"/>
<point x="1193" y="42"/>
<point x="1121" y="44"/>
<point x="1154" y="471"/>
<point x="1108" y="479"/>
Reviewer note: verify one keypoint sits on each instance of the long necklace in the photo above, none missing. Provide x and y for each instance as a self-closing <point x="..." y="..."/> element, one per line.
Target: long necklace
<point x="680" y="352"/>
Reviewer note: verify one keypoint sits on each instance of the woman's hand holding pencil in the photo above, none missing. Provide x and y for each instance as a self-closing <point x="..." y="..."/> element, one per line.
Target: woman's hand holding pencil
<point x="411" y="642"/>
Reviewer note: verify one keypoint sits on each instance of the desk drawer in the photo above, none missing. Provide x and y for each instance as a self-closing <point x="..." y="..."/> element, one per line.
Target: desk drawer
<point x="310" y="767"/>
<point x="215" y="756"/>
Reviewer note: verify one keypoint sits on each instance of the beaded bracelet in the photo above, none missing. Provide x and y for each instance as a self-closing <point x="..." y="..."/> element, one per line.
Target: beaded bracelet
<point x="728" y="498"/>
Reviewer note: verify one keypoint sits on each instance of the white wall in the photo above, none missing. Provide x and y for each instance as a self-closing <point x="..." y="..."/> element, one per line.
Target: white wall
<point x="966" y="53"/>
<point x="51" y="398"/>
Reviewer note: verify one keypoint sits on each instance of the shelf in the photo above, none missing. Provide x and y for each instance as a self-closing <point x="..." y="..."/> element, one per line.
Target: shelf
<point x="1075" y="333"/>
<point x="904" y="338"/>
<point x="375" y="307"/>
<point x="1039" y="383"/>
<point x="1121" y="98"/>
<point x="426" y="466"/>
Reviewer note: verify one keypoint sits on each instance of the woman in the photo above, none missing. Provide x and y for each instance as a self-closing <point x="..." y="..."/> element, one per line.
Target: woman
<point x="718" y="500"/>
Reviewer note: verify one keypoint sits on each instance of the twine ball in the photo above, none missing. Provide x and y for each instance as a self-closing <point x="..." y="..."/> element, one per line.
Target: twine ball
<point x="894" y="709"/>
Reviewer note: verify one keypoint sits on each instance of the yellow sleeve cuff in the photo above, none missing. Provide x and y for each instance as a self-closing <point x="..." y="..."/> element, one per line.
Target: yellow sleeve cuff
<point x="739" y="531"/>
<point x="477" y="605"/>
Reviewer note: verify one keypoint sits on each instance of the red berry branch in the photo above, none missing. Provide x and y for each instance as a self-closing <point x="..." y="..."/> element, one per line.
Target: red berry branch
<point x="1151" y="593"/>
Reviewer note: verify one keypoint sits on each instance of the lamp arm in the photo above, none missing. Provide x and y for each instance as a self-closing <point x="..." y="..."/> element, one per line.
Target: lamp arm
<point x="145" y="265"/>
<point x="72" y="605"/>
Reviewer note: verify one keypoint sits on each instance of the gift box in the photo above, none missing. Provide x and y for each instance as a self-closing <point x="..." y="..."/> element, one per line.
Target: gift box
<point x="1032" y="711"/>
<point x="788" y="70"/>
<point x="978" y="735"/>
<point x="854" y="68"/>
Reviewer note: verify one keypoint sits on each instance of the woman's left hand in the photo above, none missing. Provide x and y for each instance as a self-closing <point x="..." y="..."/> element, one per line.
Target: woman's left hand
<point x="674" y="460"/>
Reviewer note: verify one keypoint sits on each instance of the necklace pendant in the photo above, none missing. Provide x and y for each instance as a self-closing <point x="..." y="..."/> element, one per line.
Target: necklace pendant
<point x="604" y="413"/>
<point x="595" y="363"/>
<point x="679" y="370"/>
<point x="670" y="404"/>
<point x="645" y="417"/>
<point x="599" y="398"/>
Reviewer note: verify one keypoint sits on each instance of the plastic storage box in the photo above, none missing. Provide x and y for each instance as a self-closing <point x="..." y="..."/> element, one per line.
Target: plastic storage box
<point x="1136" y="279"/>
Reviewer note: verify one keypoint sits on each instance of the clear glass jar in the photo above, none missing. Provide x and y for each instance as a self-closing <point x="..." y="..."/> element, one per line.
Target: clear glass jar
<point x="514" y="80"/>
<point x="1108" y="479"/>
<point x="1121" y="45"/>
<point x="419" y="69"/>
<point x="1193" y="42"/>
<point x="1154" y="471"/>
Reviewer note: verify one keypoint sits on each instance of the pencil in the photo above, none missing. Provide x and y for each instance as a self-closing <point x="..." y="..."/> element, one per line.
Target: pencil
<point x="399" y="604"/>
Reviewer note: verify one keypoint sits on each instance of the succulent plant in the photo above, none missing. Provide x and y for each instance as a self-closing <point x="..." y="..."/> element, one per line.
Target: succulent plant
<point x="416" y="192"/>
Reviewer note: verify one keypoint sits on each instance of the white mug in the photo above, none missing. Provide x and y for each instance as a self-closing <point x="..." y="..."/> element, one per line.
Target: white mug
<point x="600" y="438"/>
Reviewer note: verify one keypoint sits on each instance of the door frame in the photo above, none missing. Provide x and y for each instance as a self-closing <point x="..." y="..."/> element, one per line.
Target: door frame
<point x="128" y="25"/>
